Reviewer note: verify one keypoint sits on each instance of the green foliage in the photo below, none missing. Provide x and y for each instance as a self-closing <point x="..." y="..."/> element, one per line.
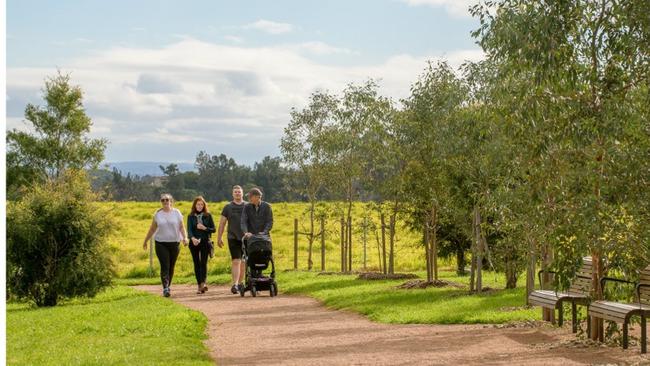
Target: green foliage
<point x="57" y="242"/>
<point x="57" y="140"/>
<point x="120" y="326"/>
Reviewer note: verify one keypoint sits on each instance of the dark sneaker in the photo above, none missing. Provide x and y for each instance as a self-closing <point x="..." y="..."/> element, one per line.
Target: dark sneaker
<point x="166" y="292"/>
<point x="234" y="289"/>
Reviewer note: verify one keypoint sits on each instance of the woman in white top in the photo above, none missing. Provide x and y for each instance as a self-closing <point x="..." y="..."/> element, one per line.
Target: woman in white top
<point x="168" y="226"/>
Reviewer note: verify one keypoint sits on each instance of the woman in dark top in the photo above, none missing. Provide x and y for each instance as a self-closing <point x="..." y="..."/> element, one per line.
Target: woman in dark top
<point x="200" y="226"/>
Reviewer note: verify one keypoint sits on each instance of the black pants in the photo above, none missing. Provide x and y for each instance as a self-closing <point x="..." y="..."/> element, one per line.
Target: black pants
<point x="200" y="256"/>
<point x="167" y="253"/>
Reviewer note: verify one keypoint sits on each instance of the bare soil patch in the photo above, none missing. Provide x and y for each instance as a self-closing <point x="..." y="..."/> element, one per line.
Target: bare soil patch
<point x="297" y="330"/>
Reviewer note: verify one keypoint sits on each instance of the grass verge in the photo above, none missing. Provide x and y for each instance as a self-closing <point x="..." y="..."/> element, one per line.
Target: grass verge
<point x="380" y="301"/>
<point x="118" y="327"/>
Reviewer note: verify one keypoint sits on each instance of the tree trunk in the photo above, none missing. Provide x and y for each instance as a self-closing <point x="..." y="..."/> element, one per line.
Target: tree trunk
<point x="434" y="242"/>
<point x="391" y="237"/>
<point x="342" y="245"/>
<point x="310" y="262"/>
<point x="365" y="242"/>
<point x="295" y="244"/>
<point x="349" y="243"/>
<point x="425" y="234"/>
<point x="511" y="273"/>
<point x="478" y="249"/>
<point x="472" y="274"/>
<point x="383" y="242"/>
<point x="322" y="244"/>
<point x="547" y="259"/>
<point x="530" y="272"/>
<point x="597" y="324"/>
<point x="460" y="262"/>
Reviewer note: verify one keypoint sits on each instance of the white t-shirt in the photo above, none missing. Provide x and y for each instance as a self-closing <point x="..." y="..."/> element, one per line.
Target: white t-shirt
<point x="169" y="225"/>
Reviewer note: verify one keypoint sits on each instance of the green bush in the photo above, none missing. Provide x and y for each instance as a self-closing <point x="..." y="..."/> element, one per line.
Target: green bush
<point x="57" y="242"/>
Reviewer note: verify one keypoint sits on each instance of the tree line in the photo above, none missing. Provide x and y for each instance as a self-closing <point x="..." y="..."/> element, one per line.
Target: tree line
<point x="214" y="179"/>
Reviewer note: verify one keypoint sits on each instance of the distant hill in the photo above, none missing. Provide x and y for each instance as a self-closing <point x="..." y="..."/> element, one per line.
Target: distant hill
<point x="143" y="168"/>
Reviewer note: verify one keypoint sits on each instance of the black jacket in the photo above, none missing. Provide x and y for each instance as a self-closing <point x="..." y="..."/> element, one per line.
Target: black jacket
<point x="257" y="220"/>
<point x="193" y="231"/>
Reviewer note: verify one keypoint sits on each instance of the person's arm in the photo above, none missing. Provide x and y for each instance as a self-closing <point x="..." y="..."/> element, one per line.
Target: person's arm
<point x="152" y="230"/>
<point x="210" y="225"/>
<point x="190" y="227"/>
<point x="244" y="222"/>
<point x="222" y="225"/>
<point x="268" y="220"/>
<point x="181" y="228"/>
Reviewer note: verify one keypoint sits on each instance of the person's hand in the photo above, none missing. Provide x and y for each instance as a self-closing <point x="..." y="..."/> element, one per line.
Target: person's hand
<point x="144" y="245"/>
<point x="220" y="243"/>
<point x="185" y="241"/>
<point x="195" y="241"/>
<point x="247" y="235"/>
<point x="201" y="226"/>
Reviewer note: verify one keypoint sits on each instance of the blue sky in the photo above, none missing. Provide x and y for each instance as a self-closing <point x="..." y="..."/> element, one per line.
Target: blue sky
<point x="166" y="79"/>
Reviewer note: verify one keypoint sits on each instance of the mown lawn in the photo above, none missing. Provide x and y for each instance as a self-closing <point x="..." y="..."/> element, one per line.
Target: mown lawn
<point x="381" y="301"/>
<point x="121" y="326"/>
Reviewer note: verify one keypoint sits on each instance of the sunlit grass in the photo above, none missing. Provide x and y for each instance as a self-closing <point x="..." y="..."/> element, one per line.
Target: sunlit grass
<point x="120" y="326"/>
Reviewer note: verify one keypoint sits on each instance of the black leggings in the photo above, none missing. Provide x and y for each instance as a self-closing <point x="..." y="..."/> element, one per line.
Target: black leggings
<point x="200" y="255"/>
<point x="167" y="253"/>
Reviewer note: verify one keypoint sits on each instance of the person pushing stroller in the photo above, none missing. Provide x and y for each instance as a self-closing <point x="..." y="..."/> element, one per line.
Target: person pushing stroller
<point x="257" y="215"/>
<point x="256" y="224"/>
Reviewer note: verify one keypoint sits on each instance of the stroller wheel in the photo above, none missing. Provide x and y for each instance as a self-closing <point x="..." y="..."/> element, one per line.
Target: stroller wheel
<point x="274" y="290"/>
<point x="242" y="290"/>
<point x="253" y="291"/>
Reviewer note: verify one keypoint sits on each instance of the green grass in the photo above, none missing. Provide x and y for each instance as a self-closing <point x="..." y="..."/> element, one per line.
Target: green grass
<point x="120" y="326"/>
<point x="382" y="302"/>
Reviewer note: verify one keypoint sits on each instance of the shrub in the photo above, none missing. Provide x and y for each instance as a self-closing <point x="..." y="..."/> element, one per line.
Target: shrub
<point x="57" y="243"/>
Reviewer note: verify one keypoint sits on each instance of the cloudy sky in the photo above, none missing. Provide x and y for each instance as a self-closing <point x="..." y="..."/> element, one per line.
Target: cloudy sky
<point x="166" y="79"/>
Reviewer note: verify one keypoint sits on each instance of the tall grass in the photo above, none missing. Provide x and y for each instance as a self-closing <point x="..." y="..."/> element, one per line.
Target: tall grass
<point x="134" y="219"/>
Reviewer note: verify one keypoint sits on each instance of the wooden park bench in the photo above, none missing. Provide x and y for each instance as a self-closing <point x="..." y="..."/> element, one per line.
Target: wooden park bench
<point x="622" y="312"/>
<point x="578" y="294"/>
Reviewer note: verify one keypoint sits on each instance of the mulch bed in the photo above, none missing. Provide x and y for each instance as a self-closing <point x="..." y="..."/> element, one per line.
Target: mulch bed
<point x="381" y="276"/>
<point x="415" y="284"/>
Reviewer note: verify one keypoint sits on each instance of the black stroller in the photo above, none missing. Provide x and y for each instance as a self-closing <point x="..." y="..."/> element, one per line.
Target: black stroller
<point x="258" y="253"/>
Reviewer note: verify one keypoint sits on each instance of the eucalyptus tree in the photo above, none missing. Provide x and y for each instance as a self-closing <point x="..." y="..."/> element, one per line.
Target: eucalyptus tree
<point x="587" y="64"/>
<point x="436" y="100"/>
<point x="57" y="139"/>
<point x="302" y="149"/>
<point x="350" y="146"/>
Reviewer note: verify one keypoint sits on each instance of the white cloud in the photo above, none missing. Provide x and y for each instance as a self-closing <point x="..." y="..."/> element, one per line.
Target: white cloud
<point x="321" y="48"/>
<point x="233" y="39"/>
<point x="269" y="26"/>
<point x="459" y="8"/>
<point x="193" y="95"/>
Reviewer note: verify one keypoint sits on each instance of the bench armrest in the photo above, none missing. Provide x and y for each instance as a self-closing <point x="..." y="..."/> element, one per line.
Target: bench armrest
<point x="539" y="276"/>
<point x="638" y="290"/>
<point x="612" y="279"/>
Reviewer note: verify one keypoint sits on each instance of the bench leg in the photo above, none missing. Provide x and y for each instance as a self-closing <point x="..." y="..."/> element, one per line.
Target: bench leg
<point x="560" y="314"/>
<point x="625" y="326"/>
<point x="574" y="317"/>
<point x="644" y="336"/>
<point x="588" y="325"/>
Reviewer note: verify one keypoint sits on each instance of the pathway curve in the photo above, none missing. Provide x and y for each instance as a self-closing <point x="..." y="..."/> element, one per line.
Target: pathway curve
<point x="298" y="330"/>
